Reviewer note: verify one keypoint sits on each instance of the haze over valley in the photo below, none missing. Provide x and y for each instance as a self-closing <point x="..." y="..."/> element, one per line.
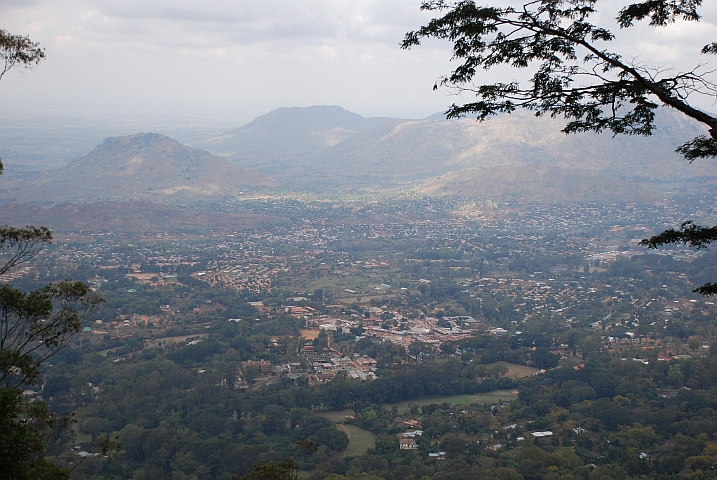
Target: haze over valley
<point x="328" y="149"/>
<point x="242" y="241"/>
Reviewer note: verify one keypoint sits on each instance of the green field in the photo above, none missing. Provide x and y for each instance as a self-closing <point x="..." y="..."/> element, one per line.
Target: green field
<point x="517" y="371"/>
<point x="479" y="398"/>
<point x="490" y="398"/>
<point x="85" y="438"/>
<point x="360" y="440"/>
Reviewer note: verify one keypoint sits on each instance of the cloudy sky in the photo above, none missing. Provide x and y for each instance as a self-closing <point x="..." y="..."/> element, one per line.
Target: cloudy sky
<point x="235" y="59"/>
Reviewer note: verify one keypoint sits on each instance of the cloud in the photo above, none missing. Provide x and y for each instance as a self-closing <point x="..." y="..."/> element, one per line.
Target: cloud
<point x="255" y="56"/>
<point x="367" y="59"/>
<point x="181" y="23"/>
<point x="62" y="40"/>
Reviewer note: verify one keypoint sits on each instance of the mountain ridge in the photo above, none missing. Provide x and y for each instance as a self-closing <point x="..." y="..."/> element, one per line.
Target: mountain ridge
<point x="517" y="152"/>
<point x="417" y="152"/>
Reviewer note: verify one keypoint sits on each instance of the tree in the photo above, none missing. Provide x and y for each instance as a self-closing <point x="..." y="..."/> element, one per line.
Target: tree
<point x="18" y="51"/>
<point x="286" y="469"/>
<point x="332" y="438"/>
<point x="33" y="327"/>
<point x="275" y="419"/>
<point x="36" y="325"/>
<point x="26" y="430"/>
<point x="544" y="359"/>
<point x="575" y="75"/>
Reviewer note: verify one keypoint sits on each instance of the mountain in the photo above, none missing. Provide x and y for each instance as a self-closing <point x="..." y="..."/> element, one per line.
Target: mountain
<point x="145" y="166"/>
<point x="290" y="131"/>
<point x="328" y="148"/>
<point x="416" y="152"/>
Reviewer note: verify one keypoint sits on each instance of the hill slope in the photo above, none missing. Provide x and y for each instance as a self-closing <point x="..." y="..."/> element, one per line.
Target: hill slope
<point x="537" y="183"/>
<point x="421" y="149"/>
<point x="145" y="165"/>
<point x="413" y="152"/>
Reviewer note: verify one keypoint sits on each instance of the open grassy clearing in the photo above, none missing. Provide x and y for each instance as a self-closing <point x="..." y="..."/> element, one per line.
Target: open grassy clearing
<point x="360" y="440"/>
<point x="489" y="398"/>
<point x="517" y="371"/>
<point x="85" y="438"/>
<point x="336" y="282"/>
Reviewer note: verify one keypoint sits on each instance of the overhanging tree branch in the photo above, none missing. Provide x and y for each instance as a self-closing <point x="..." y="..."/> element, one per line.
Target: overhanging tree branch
<point x="575" y="75"/>
<point x="556" y="37"/>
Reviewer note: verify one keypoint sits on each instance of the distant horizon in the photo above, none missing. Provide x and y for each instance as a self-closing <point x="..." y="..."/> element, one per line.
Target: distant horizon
<point x="229" y="63"/>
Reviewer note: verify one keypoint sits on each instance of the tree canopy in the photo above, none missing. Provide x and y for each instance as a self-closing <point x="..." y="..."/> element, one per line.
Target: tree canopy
<point x="34" y="326"/>
<point x="18" y="51"/>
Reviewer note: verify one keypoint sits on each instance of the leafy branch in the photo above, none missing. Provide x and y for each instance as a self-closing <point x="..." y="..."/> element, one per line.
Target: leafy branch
<point x="575" y="76"/>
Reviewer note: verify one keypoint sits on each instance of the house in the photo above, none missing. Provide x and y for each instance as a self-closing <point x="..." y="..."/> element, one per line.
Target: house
<point x="407" y="444"/>
<point x="325" y="376"/>
<point x="366" y="361"/>
<point x="412" y="424"/>
<point x="437" y="456"/>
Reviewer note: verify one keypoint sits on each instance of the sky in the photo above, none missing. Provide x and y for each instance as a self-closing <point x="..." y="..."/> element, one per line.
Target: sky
<point x="221" y="63"/>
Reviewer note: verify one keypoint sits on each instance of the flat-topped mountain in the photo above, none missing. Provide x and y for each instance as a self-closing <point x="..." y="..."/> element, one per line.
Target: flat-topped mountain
<point x="144" y="166"/>
<point x="291" y="131"/>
